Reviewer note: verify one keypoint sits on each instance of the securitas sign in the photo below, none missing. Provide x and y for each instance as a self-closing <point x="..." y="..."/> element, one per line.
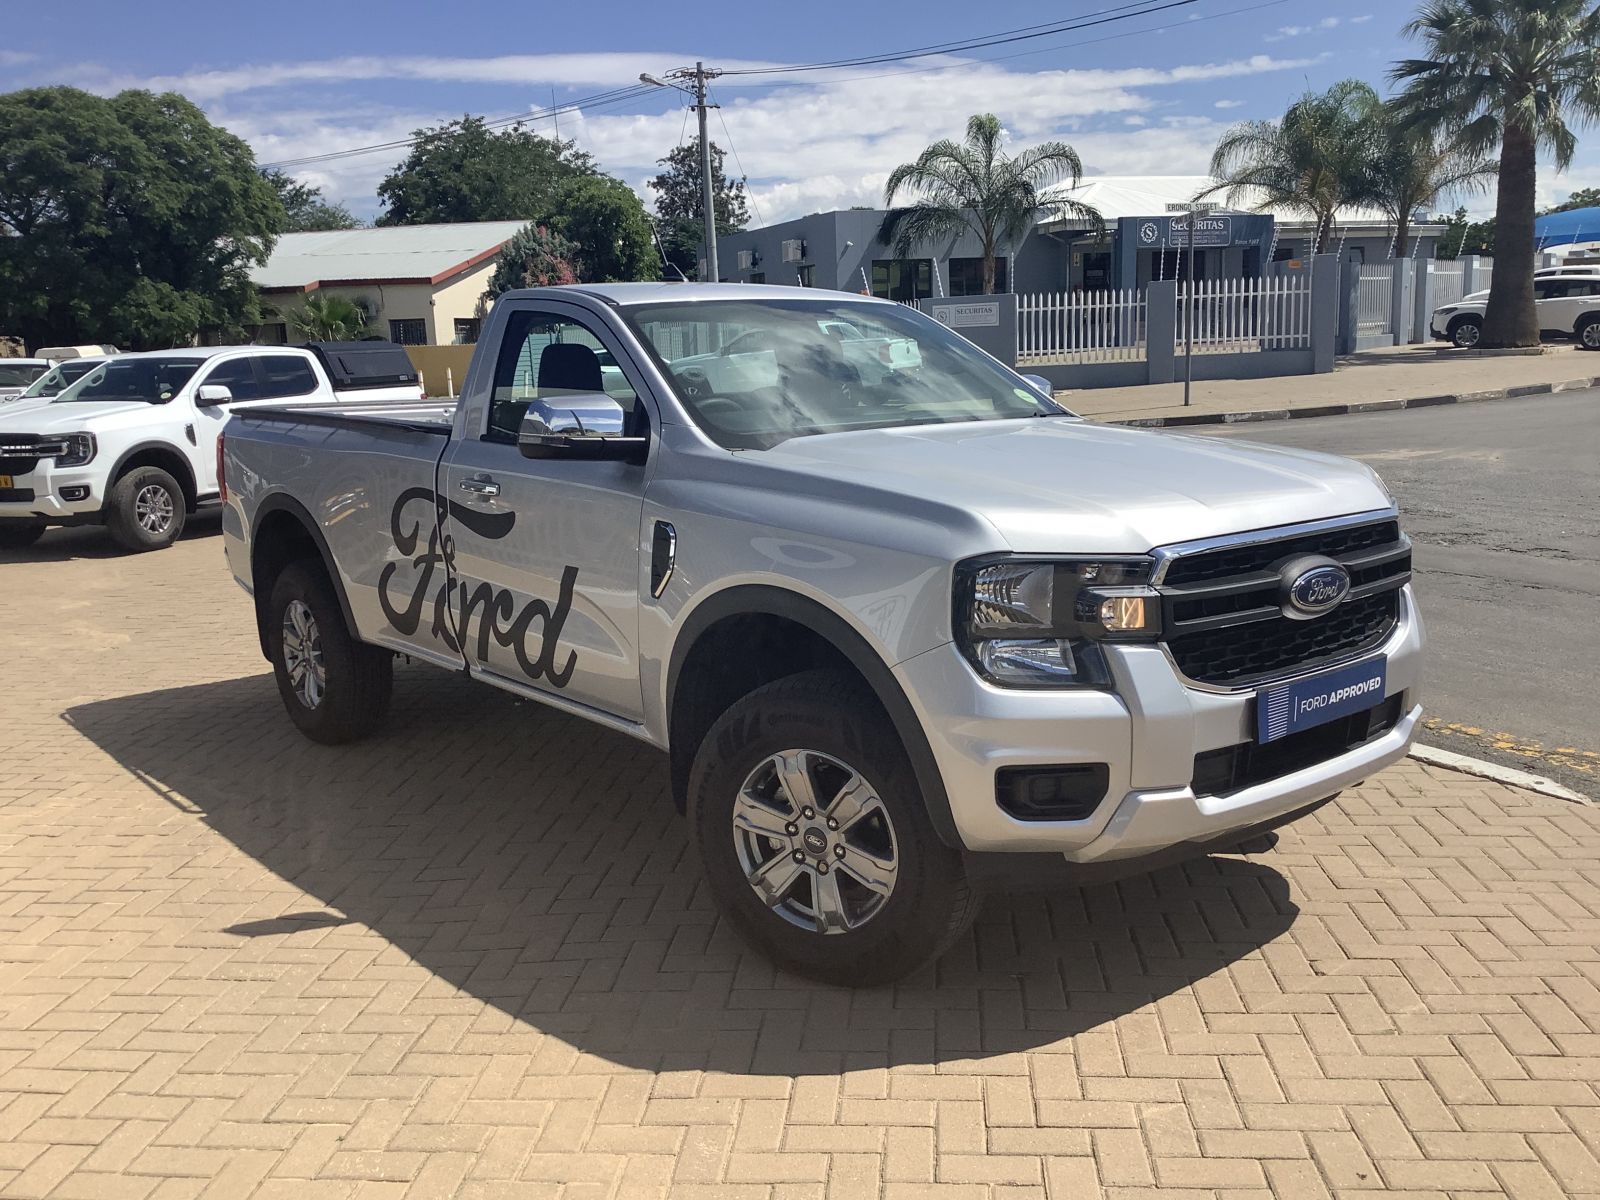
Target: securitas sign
<point x="1306" y="703"/>
<point x="1173" y="232"/>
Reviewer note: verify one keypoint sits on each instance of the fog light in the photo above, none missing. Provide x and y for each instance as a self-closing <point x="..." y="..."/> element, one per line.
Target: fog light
<point x="73" y="494"/>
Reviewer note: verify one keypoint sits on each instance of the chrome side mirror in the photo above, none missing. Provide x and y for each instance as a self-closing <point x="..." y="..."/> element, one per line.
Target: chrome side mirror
<point x="586" y="425"/>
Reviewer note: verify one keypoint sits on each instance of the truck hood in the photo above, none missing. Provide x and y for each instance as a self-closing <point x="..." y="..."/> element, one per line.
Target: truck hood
<point x="49" y="417"/>
<point x="1060" y="485"/>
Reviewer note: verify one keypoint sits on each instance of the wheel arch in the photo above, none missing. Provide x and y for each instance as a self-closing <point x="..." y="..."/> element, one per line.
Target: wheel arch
<point x="283" y="532"/>
<point x="164" y="456"/>
<point x="748" y="614"/>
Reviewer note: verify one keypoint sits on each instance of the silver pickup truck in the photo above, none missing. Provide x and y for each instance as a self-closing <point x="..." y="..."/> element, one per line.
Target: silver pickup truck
<point x="902" y="636"/>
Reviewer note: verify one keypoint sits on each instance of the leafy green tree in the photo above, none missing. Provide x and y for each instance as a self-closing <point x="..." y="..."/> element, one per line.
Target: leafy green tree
<point x="1311" y="161"/>
<point x="1582" y="198"/>
<point x="1462" y="237"/>
<point x="975" y="186"/>
<point x="536" y="256"/>
<point x="305" y="209"/>
<point x="466" y="171"/>
<point x="1409" y="167"/>
<point x="130" y="220"/>
<point x="324" y="317"/>
<point x="1508" y="74"/>
<point x="606" y="223"/>
<point x="677" y="202"/>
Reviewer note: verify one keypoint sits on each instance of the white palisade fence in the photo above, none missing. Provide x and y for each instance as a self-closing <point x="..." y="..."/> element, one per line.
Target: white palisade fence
<point x="1374" y="298"/>
<point x="1449" y="281"/>
<point x="1081" y="327"/>
<point x="1231" y="316"/>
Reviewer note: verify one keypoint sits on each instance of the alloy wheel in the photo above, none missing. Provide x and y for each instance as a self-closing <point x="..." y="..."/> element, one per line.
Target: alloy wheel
<point x="302" y="654"/>
<point x="153" y="508"/>
<point x="815" y="841"/>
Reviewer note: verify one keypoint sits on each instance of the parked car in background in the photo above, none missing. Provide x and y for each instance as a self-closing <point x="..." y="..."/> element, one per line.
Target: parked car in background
<point x="18" y="374"/>
<point x="48" y="386"/>
<point x="1567" y="300"/>
<point x="902" y="638"/>
<point x="132" y="444"/>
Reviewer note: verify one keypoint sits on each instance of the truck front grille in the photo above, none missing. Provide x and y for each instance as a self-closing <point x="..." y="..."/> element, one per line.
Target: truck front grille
<point x="21" y="452"/>
<point x="1222" y="606"/>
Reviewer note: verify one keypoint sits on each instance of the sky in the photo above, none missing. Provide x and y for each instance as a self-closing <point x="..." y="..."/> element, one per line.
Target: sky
<point x="1140" y="96"/>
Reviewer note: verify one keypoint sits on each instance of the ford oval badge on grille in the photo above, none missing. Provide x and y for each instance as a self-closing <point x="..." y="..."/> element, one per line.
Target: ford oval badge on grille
<point x="1312" y="586"/>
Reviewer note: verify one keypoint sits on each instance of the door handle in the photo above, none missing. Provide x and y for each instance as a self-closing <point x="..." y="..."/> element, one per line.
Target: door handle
<point x="480" y="487"/>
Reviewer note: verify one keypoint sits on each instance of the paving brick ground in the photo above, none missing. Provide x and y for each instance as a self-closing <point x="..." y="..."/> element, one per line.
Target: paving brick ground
<point x="472" y="958"/>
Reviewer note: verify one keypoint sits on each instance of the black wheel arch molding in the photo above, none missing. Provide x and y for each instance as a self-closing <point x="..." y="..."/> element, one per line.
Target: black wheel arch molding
<point x="184" y="475"/>
<point x="767" y="600"/>
<point x="282" y="502"/>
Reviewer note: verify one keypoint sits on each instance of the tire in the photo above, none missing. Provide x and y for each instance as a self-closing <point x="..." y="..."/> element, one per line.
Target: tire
<point x="827" y="730"/>
<point x="19" y="535"/>
<point x="1465" y="332"/>
<point x="334" y="688"/>
<point x="146" y="510"/>
<point x="1588" y="333"/>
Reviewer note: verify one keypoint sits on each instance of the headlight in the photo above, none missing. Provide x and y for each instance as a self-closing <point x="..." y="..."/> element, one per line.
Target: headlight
<point x="79" y="449"/>
<point x="1444" y="312"/>
<point x="1040" y="622"/>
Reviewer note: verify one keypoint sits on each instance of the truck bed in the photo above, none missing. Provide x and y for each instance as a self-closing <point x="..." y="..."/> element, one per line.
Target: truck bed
<point x="418" y="416"/>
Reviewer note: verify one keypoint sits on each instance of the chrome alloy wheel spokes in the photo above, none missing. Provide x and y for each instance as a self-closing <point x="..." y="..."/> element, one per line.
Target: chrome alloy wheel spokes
<point x="815" y="841"/>
<point x="153" y="508"/>
<point x="302" y="654"/>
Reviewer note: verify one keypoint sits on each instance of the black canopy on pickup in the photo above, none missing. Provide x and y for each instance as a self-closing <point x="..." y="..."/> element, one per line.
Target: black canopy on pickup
<point x="355" y="365"/>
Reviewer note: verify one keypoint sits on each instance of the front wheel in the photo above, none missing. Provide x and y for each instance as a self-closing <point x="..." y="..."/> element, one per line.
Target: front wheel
<point x="334" y="688"/>
<point x="145" y="510"/>
<point x="1588" y="333"/>
<point x="1465" y="332"/>
<point x="815" y="839"/>
<point x="19" y="535"/>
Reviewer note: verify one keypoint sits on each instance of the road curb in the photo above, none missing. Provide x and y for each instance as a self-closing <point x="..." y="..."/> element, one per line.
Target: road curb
<point x="1494" y="771"/>
<point x="1183" y="420"/>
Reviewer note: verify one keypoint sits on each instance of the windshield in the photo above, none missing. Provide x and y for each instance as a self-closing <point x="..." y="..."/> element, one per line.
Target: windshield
<point x="755" y="373"/>
<point x="20" y="375"/>
<point x="55" y="380"/>
<point x="151" y="380"/>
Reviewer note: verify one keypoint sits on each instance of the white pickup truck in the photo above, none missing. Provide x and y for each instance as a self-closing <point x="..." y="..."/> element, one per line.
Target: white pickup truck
<point x="132" y="444"/>
<point x="900" y="637"/>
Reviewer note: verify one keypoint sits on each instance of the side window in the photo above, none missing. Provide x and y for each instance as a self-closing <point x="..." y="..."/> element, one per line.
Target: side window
<point x="286" y="375"/>
<point x="238" y="376"/>
<point x="547" y="356"/>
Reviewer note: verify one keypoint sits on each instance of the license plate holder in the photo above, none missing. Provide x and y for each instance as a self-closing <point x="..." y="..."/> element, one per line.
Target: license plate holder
<point x="1317" y="699"/>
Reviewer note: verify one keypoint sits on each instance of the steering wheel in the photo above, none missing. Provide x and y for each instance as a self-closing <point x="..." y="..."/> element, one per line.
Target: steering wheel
<point x="696" y="384"/>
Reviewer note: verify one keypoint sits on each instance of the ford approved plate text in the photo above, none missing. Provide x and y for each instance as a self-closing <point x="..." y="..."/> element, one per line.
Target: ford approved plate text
<point x="1318" y="699"/>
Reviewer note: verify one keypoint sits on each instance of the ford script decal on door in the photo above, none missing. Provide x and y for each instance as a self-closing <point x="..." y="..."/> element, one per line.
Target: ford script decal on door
<point x="453" y="609"/>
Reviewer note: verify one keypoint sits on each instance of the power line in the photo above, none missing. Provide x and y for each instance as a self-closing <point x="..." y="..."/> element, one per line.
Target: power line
<point x="735" y="152"/>
<point x="1100" y="17"/>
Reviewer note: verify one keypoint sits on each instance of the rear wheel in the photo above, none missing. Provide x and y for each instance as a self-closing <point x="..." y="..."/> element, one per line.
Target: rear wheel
<point x="1588" y="333"/>
<point x="334" y="688"/>
<point x="815" y="838"/>
<point x="146" y="510"/>
<point x="1465" y="332"/>
<point x="19" y="535"/>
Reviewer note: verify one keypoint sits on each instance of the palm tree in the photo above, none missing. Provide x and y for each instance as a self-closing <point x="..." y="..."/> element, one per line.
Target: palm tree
<point x="1507" y="73"/>
<point x="1410" y="168"/>
<point x="329" y="318"/>
<point x="974" y="186"/>
<point x="1308" y="162"/>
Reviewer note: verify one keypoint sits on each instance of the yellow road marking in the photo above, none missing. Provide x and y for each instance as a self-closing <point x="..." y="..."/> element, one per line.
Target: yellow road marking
<point x="1571" y="757"/>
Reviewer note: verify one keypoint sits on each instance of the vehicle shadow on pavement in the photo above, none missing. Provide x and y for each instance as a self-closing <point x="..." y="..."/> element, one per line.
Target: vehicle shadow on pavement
<point x="94" y="541"/>
<point x="536" y="862"/>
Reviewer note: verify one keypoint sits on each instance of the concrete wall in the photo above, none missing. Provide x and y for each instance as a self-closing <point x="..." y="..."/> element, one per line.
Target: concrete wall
<point x="443" y="368"/>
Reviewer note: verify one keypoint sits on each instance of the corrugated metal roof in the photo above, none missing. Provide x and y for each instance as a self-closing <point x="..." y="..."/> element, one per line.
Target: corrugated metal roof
<point x="385" y="252"/>
<point x="1118" y="196"/>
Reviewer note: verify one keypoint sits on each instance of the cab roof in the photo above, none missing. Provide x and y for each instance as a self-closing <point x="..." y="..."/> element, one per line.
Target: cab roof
<point x="629" y="295"/>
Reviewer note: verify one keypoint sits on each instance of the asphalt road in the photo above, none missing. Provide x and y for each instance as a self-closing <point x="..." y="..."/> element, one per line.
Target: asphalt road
<point x="1502" y="500"/>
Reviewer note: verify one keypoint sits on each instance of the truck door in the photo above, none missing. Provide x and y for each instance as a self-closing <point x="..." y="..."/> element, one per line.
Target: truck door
<point x="239" y="376"/>
<point x="545" y="552"/>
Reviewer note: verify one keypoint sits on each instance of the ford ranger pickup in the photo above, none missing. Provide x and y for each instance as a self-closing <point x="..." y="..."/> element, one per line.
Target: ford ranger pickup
<point x="903" y="633"/>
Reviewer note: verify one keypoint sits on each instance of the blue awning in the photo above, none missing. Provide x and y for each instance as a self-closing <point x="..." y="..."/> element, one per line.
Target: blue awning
<point x="1564" y="228"/>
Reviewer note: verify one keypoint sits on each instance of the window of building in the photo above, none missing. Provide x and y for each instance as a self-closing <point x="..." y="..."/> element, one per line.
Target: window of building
<point x="467" y="330"/>
<point x="902" y="278"/>
<point x="271" y="334"/>
<point x="412" y="331"/>
<point x="808" y="276"/>
<point x="284" y="375"/>
<point x="966" y="276"/>
<point x="758" y="277"/>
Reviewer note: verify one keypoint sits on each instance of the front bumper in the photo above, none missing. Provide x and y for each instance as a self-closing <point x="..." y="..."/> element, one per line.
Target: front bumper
<point x="1147" y="732"/>
<point x="47" y="482"/>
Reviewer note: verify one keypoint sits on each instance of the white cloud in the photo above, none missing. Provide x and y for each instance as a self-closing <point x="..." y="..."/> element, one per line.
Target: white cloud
<point x="828" y="143"/>
<point x="1293" y="31"/>
<point x="1361" y="20"/>
<point x="15" y="58"/>
<point x="1228" y="104"/>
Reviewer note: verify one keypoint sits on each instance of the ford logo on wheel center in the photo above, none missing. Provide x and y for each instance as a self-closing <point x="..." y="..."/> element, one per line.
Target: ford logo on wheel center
<point x="1313" y="586"/>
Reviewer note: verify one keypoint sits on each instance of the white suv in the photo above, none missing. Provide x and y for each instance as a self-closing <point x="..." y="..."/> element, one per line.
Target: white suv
<point x="1567" y="300"/>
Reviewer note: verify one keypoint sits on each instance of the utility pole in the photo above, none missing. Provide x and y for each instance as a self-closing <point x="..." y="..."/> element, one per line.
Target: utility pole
<point x="697" y="80"/>
<point x="1195" y="209"/>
